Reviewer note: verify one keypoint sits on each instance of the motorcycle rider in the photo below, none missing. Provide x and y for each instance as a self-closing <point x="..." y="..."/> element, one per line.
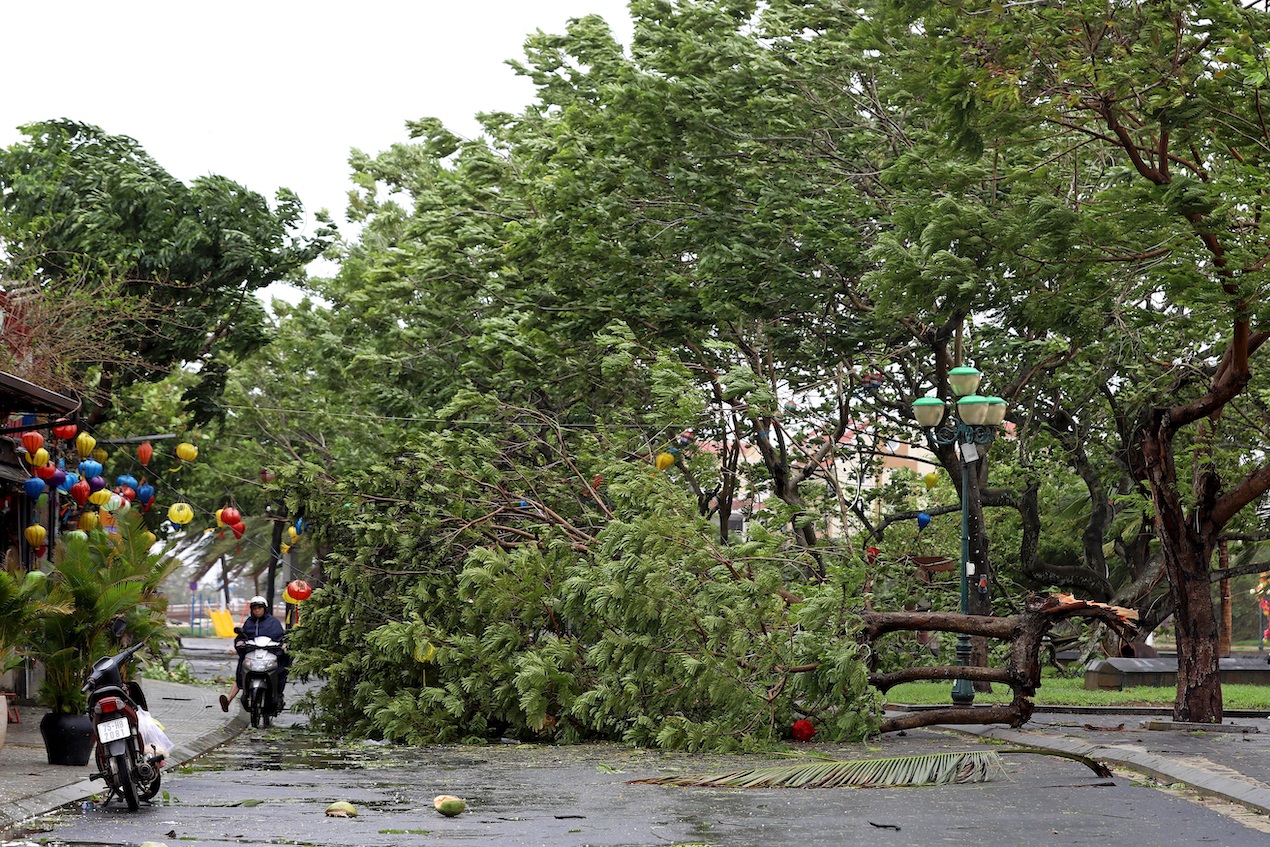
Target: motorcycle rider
<point x="258" y="623"/>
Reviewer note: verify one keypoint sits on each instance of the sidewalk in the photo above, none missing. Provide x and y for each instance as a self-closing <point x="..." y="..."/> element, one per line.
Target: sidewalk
<point x="29" y="786"/>
<point x="1230" y="762"/>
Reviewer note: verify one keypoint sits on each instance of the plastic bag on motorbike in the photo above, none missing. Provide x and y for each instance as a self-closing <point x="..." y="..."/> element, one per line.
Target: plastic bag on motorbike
<point x="156" y="741"/>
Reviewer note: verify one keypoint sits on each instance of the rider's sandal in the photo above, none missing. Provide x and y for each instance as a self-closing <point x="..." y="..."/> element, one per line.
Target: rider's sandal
<point x="224" y="703"/>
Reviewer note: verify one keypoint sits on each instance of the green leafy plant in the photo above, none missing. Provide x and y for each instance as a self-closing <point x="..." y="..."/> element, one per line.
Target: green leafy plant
<point x="106" y="583"/>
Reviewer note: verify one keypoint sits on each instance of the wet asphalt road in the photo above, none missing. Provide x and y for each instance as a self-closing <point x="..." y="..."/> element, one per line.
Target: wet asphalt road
<point x="272" y="786"/>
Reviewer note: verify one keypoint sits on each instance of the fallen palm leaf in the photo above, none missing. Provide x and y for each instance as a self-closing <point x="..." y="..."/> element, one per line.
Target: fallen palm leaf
<point x="931" y="769"/>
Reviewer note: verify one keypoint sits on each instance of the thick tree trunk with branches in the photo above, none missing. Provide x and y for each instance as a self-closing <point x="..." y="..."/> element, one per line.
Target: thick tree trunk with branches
<point x="1025" y="632"/>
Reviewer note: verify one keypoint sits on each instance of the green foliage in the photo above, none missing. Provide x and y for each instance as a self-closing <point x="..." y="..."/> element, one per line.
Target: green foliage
<point x="79" y="204"/>
<point x="99" y="579"/>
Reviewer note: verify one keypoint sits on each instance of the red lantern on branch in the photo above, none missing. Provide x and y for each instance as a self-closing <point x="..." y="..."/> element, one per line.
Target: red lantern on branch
<point x="299" y="590"/>
<point x="230" y="516"/>
<point x="32" y="441"/>
<point x="238" y="529"/>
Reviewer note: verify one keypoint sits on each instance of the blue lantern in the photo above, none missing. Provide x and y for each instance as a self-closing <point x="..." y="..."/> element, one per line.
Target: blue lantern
<point x="126" y="479"/>
<point x="33" y="487"/>
<point x="923" y="520"/>
<point x="89" y="468"/>
<point x="145" y="493"/>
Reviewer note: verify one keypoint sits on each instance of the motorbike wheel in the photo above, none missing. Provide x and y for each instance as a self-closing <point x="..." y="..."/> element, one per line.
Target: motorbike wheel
<point x="123" y="773"/>
<point x="150" y="779"/>
<point x="257" y="710"/>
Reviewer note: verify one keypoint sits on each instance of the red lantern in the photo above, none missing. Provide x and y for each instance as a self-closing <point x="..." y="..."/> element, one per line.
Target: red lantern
<point x="80" y="491"/>
<point x="299" y="589"/>
<point x="127" y="492"/>
<point x="238" y="529"/>
<point x="266" y="476"/>
<point x="144" y="452"/>
<point x="45" y="472"/>
<point x="32" y="441"/>
<point x="230" y="516"/>
<point x="802" y="730"/>
<point x="65" y="430"/>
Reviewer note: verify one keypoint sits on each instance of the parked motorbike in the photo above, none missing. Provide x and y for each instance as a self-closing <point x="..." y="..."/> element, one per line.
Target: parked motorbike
<point x="261" y="696"/>
<point x="131" y="772"/>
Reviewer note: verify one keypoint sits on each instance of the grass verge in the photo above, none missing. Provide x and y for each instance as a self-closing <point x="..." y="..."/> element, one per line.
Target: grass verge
<point x="1060" y="691"/>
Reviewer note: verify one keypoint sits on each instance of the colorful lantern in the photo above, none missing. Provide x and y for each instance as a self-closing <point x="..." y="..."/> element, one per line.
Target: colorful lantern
<point x="84" y="444"/>
<point x="38" y="456"/>
<point x="923" y="520"/>
<point x="32" y="441"/>
<point x="100" y="496"/>
<point x="230" y="516"/>
<point x="145" y="451"/>
<point x="186" y="451"/>
<point x="664" y="460"/>
<point x="58" y="479"/>
<point x="88" y="521"/>
<point x="68" y="481"/>
<point x="89" y="468"/>
<point x="35" y="535"/>
<point x="79" y="492"/>
<point x="97" y="483"/>
<point x="180" y="513"/>
<point x="125" y="479"/>
<point x="46" y="471"/>
<point x="300" y="590"/>
<point x="65" y="430"/>
<point x="932" y="479"/>
<point x="145" y="493"/>
<point x="238" y="529"/>
<point x="127" y="492"/>
<point x="802" y="730"/>
<point x="266" y="476"/>
<point x="34" y="487"/>
<point x="101" y="455"/>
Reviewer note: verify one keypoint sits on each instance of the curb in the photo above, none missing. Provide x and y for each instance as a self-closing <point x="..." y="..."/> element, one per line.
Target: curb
<point x="21" y="812"/>
<point x="1251" y="795"/>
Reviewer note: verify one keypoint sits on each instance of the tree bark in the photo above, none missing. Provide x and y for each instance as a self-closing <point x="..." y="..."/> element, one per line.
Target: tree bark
<point x="1025" y="633"/>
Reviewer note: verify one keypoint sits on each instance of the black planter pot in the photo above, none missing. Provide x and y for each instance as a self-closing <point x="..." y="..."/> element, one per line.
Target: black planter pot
<point x="68" y="739"/>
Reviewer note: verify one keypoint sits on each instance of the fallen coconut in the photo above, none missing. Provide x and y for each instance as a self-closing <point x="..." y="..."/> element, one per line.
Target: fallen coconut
<point x="448" y="805"/>
<point x="340" y="809"/>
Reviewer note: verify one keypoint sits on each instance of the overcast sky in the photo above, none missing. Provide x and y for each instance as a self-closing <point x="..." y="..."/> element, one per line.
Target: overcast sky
<point x="271" y="92"/>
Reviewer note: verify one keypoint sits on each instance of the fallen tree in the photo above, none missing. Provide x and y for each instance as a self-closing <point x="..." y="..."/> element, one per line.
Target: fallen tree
<point x="1025" y="633"/>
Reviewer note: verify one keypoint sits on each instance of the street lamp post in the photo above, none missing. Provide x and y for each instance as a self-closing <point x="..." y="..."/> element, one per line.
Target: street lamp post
<point x="971" y="427"/>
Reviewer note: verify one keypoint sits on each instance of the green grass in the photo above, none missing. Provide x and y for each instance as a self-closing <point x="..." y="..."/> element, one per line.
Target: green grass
<point x="1059" y="691"/>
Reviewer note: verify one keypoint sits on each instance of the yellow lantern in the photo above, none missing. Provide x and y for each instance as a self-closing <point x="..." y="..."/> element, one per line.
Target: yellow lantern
<point x="39" y="458"/>
<point x="150" y="537"/>
<point x="180" y="513"/>
<point x="87" y="521"/>
<point x="291" y="533"/>
<point x="99" y="497"/>
<point x="219" y="522"/>
<point x="101" y="455"/>
<point x="186" y="451"/>
<point x="664" y="460"/>
<point x="285" y="548"/>
<point x="932" y="479"/>
<point x="35" y="534"/>
<point x="84" y="444"/>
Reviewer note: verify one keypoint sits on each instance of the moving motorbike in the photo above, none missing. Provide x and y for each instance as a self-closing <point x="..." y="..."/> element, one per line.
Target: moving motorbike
<point x="130" y="770"/>
<point x="261" y="696"/>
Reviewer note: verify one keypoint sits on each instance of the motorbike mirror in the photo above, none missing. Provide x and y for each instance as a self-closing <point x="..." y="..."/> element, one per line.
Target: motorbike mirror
<point x="238" y="630"/>
<point x="117" y="627"/>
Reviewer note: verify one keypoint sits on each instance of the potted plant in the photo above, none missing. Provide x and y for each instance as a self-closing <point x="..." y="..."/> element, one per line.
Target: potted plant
<point x="21" y="608"/>
<point x="108" y="583"/>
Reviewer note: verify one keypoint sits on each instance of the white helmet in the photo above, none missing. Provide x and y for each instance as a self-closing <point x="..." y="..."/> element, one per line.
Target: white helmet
<point x="258" y="601"/>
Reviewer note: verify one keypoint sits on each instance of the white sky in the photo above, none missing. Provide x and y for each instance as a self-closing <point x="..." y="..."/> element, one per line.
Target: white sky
<point x="271" y="92"/>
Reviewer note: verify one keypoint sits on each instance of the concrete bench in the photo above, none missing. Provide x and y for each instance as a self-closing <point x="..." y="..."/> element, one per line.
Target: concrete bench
<point x="1121" y="673"/>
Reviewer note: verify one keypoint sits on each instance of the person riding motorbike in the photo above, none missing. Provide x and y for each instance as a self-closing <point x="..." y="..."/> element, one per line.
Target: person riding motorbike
<point x="258" y="623"/>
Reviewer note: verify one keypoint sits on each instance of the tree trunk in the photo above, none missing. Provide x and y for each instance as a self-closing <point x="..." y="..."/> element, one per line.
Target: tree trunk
<point x="1186" y="550"/>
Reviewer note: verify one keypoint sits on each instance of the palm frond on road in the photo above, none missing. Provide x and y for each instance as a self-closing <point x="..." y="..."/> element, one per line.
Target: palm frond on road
<point x="930" y="769"/>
